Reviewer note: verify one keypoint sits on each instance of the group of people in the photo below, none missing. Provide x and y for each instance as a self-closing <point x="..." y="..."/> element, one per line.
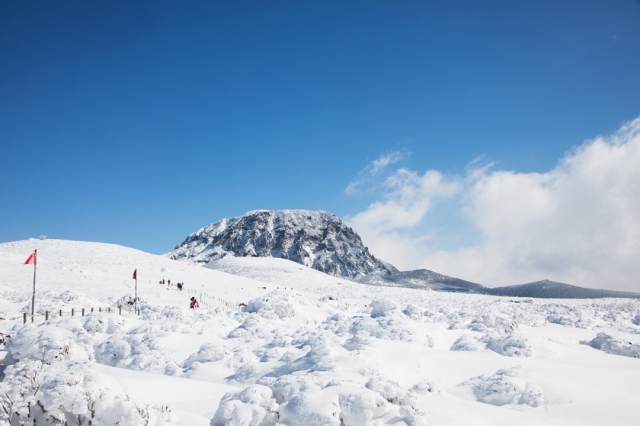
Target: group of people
<point x="194" y="302"/>
<point x="168" y="282"/>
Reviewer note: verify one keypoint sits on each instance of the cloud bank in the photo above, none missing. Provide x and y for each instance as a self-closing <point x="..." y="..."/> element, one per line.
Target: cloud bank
<point x="578" y="223"/>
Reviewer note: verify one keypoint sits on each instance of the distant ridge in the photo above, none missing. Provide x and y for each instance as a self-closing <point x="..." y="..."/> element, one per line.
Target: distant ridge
<point x="554" y="290"/>
<point x="321" y="241"/>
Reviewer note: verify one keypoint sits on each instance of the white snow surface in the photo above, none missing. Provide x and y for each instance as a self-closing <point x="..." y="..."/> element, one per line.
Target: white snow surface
<point x="307" y="349"/>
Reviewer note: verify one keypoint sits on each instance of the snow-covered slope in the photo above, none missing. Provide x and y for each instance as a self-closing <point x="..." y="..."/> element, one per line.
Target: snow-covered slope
<point x="312" y="238"/>
<point x="320" y="350"/>
<point x="424" y="279"/>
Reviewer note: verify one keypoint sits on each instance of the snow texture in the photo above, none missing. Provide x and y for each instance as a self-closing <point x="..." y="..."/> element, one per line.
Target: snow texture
<point x="318" y="350"/>
<point x="614" y="345"/>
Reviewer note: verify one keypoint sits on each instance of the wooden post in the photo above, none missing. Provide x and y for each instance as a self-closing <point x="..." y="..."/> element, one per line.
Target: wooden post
<point x="82" y="311"/>
<point x="46" y="315"/>
<point x="99" y="309"/>
<point x="120" y="310"/>
<point x="25" y="318"/>
<point x="109" y="309"/>
<point x="91" y="309"/>
<point x="60" y="312"/>
<point x="73" y="311"/>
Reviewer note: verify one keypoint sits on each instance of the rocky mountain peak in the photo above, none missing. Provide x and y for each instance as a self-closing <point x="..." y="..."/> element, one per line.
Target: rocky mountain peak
<point x="316" y="239"/>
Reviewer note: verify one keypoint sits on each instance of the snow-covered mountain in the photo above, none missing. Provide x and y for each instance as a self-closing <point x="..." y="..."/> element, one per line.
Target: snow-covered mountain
<point x="321" y="241"/>
<point x="316" y="239"/>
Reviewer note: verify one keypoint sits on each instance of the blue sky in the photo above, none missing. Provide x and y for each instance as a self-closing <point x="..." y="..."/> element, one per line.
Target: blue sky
<point x="138" y="122"/>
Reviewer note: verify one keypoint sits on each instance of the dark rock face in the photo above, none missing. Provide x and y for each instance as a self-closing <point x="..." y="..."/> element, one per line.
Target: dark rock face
<point x="315" y="239"/>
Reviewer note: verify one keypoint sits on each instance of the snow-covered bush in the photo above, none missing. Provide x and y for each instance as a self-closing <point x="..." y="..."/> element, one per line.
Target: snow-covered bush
<point x="505" y="387"/>
<point x="61" y="340"/>
<point x="49" y="380"/>
<point x="253" y="327"/>
<point x="274" y="306"/>
<point x="209" y="352"/>
<point x="424" y="387"/>
<point x="512" y="344"/>
<point x="315" y="408"/>
<point x="361" y="407"/>
<point x="140" y="349"/>
<point x="413" y="311"/>
<point x="288" y="386"/>
<point x="383" y="307"/>
<point x="358" y="342"/>
<point x="467" y="342"/>
<point x="255" y="405"/>
<point x="614" y="345"/>
<point x="391" y="391"/>
<point x="393" y="325"/>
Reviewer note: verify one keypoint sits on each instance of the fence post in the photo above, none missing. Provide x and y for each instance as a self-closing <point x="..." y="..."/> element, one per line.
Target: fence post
<point x="25" y="318"/>
<point x="46" y="315"/>
<point x="73" y="311"/>
<point x="91" y="309"/>
<point x="120" y="309"/>
<point x="109" y="309"/>
<point x="82" y="311"/>
<point x="60" y="312"/>
<point x="99" y="309"/>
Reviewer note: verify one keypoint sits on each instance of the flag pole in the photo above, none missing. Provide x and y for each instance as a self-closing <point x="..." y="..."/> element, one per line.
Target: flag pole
<point x="33" y="297"/>
<point x="136" y="299"/>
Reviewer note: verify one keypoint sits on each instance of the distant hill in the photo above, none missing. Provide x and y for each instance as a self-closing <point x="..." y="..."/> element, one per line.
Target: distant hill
<point x="554" y="290"/>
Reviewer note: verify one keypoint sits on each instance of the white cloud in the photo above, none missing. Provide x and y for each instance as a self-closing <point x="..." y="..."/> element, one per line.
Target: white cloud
<point x="578" y="223"/>
<point x="374" y="168"/>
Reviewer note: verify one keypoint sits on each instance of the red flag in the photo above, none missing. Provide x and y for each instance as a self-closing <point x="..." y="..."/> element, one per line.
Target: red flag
<point x="33" y="259"/>
<point x="135" y="274"/>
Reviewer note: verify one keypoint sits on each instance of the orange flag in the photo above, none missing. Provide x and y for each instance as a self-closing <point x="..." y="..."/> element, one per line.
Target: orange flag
<point x="33" y="259"/>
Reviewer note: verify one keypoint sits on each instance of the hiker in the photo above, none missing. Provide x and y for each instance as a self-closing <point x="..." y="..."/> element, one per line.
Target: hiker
<point x="163" y="281"/>
<point x="194" y="303"/>
<point x="169" y="282"/>
<point x="180" y="286"/>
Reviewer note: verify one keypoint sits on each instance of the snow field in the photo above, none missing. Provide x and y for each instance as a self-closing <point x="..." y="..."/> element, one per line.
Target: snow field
<point x="323" y="353"/>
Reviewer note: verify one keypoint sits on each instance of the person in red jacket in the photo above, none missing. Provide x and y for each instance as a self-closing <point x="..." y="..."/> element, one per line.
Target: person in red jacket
<point x="194" y="303"/>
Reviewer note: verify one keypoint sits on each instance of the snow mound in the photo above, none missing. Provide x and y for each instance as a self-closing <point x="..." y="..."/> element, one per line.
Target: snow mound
<point x="255" y="405"/>
<point x="272" y="306"/>
<point x="614" y="345"/>
<point x="138" y="349"/>
<point x="383" y="308"/>
<point x="62" y="340"/>
<point x="49" y="380"/>
<point x="505" y="387"/>
<point x="467" y="342"/>
<point x="513" y="344"/>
